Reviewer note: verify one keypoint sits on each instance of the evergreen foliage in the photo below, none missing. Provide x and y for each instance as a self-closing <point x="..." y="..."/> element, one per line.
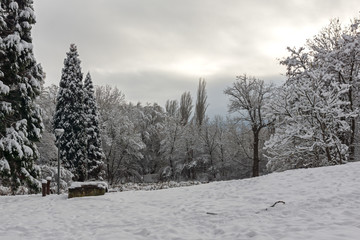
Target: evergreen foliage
<point x="95" y="153"/>
<point x="70" y="116"/>
<point x="20" y="83"/>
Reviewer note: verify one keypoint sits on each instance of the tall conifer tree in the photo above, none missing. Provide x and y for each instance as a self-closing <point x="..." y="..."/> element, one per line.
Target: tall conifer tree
<point x="201" y="105"/>
<point x="70" y="116"/>
<point x="20" y="84"/>
<point x="95" y="155"/>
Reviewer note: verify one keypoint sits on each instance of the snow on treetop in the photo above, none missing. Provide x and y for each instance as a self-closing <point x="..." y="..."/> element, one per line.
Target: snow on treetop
<point x="99" y="184"/>
<point x="73" y="47"/>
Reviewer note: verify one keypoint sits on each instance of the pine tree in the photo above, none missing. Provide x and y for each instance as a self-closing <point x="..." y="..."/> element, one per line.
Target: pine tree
<point x="95" y="153"/>
<point x="70" y="116"/>
<point x="20" y="83"/>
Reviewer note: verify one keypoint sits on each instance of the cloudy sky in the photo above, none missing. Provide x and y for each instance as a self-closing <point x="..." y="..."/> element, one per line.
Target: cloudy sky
<point x="154" y="50"/>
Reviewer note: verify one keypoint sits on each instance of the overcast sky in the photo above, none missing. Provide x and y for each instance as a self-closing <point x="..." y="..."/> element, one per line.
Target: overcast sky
<point x="154" y="50"/>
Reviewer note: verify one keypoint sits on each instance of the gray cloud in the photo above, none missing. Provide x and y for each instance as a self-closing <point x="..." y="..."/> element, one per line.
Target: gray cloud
<point x="154" y="50"/>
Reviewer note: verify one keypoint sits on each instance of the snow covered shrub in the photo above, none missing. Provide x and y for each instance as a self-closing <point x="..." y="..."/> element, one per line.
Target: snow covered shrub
<point x="152" y="186"/>
<point x="4" y="190"/>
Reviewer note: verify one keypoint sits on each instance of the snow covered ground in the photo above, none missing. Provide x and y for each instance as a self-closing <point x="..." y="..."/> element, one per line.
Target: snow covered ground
<point x="321" y="203"/>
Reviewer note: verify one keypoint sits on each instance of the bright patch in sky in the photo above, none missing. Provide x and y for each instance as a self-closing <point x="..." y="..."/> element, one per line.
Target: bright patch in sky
<point x="195" y="66"/>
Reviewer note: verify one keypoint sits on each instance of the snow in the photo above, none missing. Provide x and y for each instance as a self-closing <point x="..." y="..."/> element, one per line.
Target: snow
<point x="27" y="13"/>
<point x="28" y="151"/>
<point x="5" y="107"/>
<point x="321" y="204"/>
<point x="152" y="186"/>
<point x="12" y="40"/>
<point x="14" y="6"/>
<point x="13" y="144"/>
<point x="4" y="89"/>
<point x="4" y="164"/>
<point x="99" y="184"/>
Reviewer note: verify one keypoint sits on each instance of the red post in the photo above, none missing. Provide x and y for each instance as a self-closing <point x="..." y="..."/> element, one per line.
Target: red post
<point x="43" y="183"/>
<point x="48" y="179"/>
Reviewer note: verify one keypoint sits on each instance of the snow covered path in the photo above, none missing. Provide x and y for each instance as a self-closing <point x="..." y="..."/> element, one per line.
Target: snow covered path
<point x="321" y="203"/>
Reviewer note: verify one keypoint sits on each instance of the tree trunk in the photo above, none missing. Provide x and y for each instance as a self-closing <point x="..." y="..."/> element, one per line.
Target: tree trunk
<point x="256" y="160"/>
<point x="328" y="155"/>
<point x="352" y="101"/>
<point x="352" y="141"/>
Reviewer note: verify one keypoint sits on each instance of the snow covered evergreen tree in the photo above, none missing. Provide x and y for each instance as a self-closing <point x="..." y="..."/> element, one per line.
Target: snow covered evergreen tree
<point x="20" y="83"/>
<point x="70" y="116"/>
<point x="95" y="153"/>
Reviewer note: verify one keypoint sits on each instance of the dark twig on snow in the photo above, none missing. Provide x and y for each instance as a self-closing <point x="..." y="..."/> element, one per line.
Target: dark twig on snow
<point x="277" y="203"/>
<point x="273" y="205"/>
<point x="210" y="213"/>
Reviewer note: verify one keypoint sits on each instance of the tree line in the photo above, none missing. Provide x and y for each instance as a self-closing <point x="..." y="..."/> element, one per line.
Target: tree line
<point x="177" y="142"/>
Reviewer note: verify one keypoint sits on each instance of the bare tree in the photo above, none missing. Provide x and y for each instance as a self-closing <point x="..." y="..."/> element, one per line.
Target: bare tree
<point x="201" y="105"/>
<point x="172" y="107"/>
<point x="107" y="98"/>
<point x="247" y="97"/>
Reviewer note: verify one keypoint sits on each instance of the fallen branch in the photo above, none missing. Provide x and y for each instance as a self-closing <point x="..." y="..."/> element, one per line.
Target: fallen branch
<point x="277" y="203"/>
<point x="273" y="205"/>
<point x="210" y="213"/>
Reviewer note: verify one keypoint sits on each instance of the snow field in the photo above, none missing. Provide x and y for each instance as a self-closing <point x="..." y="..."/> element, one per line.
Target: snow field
<point x="322" y="203"/>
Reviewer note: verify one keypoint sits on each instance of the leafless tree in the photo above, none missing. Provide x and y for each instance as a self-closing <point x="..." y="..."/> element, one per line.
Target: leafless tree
<point x="247" y="97"/>
<point x="107" y="97"/>
<point x="172" y="107"/>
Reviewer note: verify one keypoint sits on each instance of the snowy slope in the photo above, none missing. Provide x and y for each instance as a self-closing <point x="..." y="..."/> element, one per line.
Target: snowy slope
<point x="321" y="203"/>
